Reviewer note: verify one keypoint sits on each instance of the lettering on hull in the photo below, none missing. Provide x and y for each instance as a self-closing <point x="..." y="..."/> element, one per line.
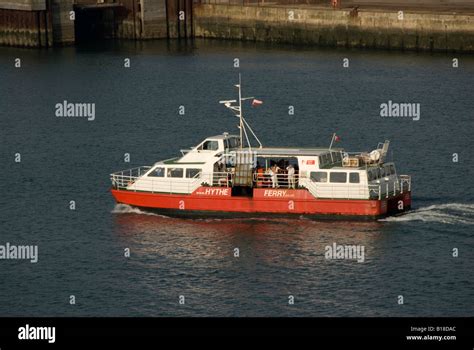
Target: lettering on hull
<point x="278" y="193"/>
<point x="220" y="192"/>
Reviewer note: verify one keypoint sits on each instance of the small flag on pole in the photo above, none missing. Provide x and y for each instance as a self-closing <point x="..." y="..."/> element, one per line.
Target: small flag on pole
<point x="334" y="138"/>
<point x="256" y="102"/>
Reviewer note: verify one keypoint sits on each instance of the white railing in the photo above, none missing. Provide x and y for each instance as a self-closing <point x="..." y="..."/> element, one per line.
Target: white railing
<point x="121" y="179"/>
<point x="282" y="180"/>
<point x="405" y="182"/>
<point x="355" y="191"/>
<point x="340" y="191"/>
<point x="387" y="189"/>
<point x="220" y="179"/>
<point x="131" y="180"/>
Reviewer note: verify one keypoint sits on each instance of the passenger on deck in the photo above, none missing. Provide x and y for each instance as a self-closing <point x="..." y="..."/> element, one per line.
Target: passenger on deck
<point x="220" y="166"/>
<point x="274" y="174"/>
<point x="291" y="176"/>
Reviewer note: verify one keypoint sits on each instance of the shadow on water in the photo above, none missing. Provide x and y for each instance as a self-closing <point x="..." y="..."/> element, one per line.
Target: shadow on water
<point x="217" y="46"/>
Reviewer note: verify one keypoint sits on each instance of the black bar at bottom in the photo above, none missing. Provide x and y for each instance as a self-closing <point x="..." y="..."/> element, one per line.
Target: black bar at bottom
<point x="449" y="333"/>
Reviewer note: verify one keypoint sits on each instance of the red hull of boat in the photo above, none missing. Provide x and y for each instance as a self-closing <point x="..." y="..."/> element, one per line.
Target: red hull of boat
<point x="264" y="201"/>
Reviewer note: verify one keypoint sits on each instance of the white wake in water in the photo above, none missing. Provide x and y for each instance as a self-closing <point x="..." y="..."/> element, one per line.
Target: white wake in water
<point x="127" y="209"/>
<point x="449" y="213"/>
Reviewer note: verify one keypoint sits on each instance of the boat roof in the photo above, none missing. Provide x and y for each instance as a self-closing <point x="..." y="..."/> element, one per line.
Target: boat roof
<point x="222" y="136"/>
<point x="176" y="161"/>
<point x="289" y="151"/>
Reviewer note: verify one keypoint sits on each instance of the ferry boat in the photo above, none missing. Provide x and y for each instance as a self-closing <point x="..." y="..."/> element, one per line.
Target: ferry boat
<point x="225" y="175"/>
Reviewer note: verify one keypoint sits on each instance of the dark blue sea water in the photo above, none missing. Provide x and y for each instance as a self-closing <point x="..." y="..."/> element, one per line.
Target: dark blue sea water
<point x="81" y="252"/>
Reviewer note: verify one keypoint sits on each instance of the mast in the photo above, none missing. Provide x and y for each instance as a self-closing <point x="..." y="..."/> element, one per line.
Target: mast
<point x="241" y="127"/>
<point x="238" y="110"/>
<point x="332" y="140"/>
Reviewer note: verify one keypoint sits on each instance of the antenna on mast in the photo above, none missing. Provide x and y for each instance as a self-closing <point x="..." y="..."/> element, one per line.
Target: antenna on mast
<point x="237" y="109"/>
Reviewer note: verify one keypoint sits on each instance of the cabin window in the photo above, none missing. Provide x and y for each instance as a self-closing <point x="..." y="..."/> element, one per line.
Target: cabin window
<point x="327" y="158"/>
<point x="336" y="156"/>
<point x="392" y="169"/>
<point x="319" y="176"/>
<point x="158" y="172"/>
<point x="231" y="143"/>
<point x="193" y="173"/>
<point x="338" y="177"/>
<point x="175" y="172"/>
<point x="378" y="173"/>
<point x="322" y="161"/>
<point x="210" y="145"/>
<point x="234" y="142"/>
<point x="354" y="178"/>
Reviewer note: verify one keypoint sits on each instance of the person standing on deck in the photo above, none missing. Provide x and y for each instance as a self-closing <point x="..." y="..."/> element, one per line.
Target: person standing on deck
<point x="291" y="176"/>
<point x="274" y="174"/>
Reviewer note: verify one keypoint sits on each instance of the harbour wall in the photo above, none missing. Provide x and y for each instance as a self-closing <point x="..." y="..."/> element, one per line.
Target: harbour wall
<point x="62" y="25"/>
<point x="25" y="23"/>
<point x="44" y="23"/>
<point x="322" y="26"/>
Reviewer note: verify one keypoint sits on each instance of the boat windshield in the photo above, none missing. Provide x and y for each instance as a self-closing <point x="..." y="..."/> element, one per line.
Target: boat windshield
<point x="210" y="145"/>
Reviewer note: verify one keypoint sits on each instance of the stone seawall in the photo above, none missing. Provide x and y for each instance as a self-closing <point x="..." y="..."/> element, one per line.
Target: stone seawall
<point x="424" y="31"/>
<point x="36" y="23"/>
<point x="26" y="24"/>
<point x="45" y="23"/>
<point x="63" y="26"/>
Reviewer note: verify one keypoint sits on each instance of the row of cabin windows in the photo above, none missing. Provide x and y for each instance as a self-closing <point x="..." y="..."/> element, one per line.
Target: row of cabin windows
<point x="387" y="170"/>
<point x="176" y="172"/>
<point x="339" y="177"/>
<point x="330" y="158"/>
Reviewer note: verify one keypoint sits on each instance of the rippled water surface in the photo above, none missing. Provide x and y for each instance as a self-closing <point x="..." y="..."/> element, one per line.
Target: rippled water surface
<point x="81" y="252"/>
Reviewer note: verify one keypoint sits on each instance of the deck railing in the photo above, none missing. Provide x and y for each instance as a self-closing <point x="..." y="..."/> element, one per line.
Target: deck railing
<point x="121" y="179"/>
<point x="372" y="191"/>
<point x="133" y="180"/>
<point x="282" y="180"/>
<point x="387" y="190"/>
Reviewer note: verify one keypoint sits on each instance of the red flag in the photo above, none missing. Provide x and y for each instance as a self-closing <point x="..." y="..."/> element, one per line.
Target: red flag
<point x="337" y="138"/>
<point x="256" y="102"/>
